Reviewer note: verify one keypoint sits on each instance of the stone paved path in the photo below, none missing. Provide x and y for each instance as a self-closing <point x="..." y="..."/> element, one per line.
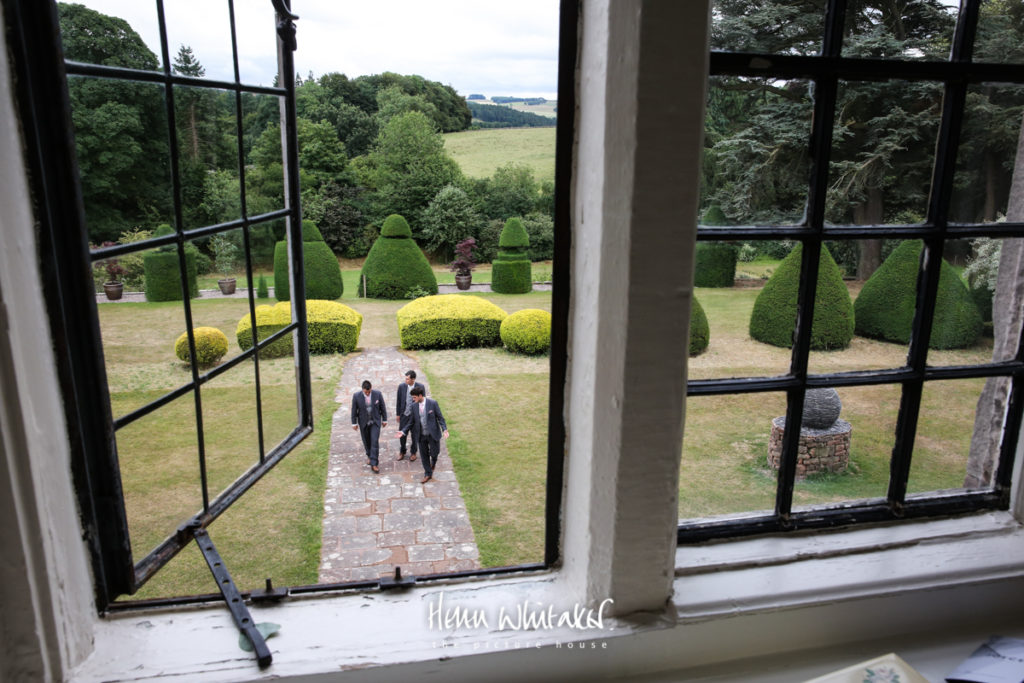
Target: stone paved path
<point x="375" y="522"/>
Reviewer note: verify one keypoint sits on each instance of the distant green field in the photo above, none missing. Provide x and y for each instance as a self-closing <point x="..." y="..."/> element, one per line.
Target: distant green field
<point x="545" y="109"/>
<point x="479" y="152"/>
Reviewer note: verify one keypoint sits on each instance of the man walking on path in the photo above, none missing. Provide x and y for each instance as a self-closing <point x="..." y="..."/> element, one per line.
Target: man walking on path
<point x="369" y="416"/>
<point x="428" y="421"/>
<point x="403" y="411"/>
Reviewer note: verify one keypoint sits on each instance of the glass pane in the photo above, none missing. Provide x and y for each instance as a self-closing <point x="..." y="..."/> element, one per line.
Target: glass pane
<point x="882" y="152"/>
<point x="756" y="141"/>
<point x="264" y="172"/>
<point x="255" y="26"/>
<point x="1000" y="35"/>
<point x="775" y="28"/>
<point x="207" y="156"/>
<point x="899" y="30"/>
<point x="130" y="38"/>
<point x="994" y="291"/>
<point x="121" y="145"/>
<point x="725" y="466"/>
<point x="278" y="392"/>
<point x="988" y="146"/>
<point x="159" y="466"/>
<point x="873" y="345"/>
<point x="199" y="39"/>
<point x="947" y="432"/>
<point x="849" y="458"/>
<point x="230" y="426"/>
<point x="962" y="328"/>
<point x="220" y="265"/>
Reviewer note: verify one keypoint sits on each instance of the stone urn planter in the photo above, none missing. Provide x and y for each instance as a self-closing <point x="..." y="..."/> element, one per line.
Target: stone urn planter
<point x="113" y="290"/>
<point x="463" y="281"/>
<point x="227" y="285"/>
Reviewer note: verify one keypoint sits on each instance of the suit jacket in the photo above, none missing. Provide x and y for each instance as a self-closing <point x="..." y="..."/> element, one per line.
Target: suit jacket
<point x="378" y="413"/>
<point x="400" y="402"/>
<point x="434" y="422"/>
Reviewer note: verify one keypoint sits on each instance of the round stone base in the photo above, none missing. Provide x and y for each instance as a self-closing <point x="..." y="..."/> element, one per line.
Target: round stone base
<point x="821" y="450"/>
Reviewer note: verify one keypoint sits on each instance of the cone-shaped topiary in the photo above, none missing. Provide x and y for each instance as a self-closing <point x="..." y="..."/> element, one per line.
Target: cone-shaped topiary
<point x="715" y="265"/>
<point x="322" y="272"/>
<point x="511" y="268"/>
<point x="714" y="216"/>
<point x="211" y="345"/>
<point x="700" y="332"/>
<point x="395" y="265"/>
<point x="527" y="331"/>
<point x="885" y="306"/>
<point x="773" y="319"/>
<point x="333" y="327"/>
<point x="162" y="276"/>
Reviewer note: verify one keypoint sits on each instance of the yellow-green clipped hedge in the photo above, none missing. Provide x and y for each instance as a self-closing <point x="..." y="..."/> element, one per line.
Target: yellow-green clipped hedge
<point x="447" y="321"/>
<point x="211" y="345"/>
<point x="527" y="331"/>
<point x="333" y="327"/>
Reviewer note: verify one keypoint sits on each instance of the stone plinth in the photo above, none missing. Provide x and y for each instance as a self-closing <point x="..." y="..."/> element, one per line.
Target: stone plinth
<point x="821" y="450"/>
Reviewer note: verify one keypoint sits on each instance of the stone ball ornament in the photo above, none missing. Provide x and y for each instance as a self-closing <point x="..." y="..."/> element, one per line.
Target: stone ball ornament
<point x="821" y="408"/>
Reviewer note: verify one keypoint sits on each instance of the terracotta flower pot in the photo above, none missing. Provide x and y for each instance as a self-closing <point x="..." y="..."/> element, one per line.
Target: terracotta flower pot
<point x="113" y="290"/>
<point x="227" y="285"/>
<point x="463" y="281"/>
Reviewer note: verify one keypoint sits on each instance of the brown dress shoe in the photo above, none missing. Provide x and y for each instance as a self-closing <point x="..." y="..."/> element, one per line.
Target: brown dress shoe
<point x="426" y="479"/>
<point x="401" y="456"/>
<point x="412" y="458"/>
<point x="376" y="470"/>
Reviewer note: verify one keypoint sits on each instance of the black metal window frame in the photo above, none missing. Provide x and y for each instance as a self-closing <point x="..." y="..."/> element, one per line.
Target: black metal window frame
<point x="66" y="263"/>
<point x="825" y="70"/>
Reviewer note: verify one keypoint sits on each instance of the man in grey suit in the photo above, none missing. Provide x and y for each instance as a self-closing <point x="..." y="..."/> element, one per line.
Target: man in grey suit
<point x="428" y="421"/>
<point x="403" y="408"/>
<point x="369" y="416"/>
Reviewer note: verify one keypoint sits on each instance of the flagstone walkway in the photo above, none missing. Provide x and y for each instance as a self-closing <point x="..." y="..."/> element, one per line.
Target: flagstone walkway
<point x="375" y="522"/>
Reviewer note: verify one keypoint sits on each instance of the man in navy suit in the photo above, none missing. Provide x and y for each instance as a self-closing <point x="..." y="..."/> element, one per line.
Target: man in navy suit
<point x="369" y="416"/>
<point x="428" y="421"/>
<point x="403" y="407"/>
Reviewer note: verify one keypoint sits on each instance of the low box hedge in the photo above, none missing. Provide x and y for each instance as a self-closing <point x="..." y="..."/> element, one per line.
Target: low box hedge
<point x="211" y="345"/>
<point x="527" y="331"/>
<point x="449" y="321"/>
<point x="333" y="328"/>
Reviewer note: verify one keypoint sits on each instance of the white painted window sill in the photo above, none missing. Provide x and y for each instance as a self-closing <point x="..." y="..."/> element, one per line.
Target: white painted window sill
<point x="736" y="600"/>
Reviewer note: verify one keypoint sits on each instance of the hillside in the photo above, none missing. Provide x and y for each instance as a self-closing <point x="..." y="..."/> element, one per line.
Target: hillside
<point x="479" y="152"/>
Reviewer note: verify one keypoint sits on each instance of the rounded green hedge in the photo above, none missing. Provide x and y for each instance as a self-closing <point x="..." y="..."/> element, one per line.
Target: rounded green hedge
<point x="211" y="345"/>
<point x="333" y="328"/>
<point x="163" y="279"/>
<point x="449" y="321"/>
<point x="395" y="265"/>
<point x="773" y="320"/>
<point x="322" y="272"/>
<point x="885" y="305"/>
<point x="511" y="270"/>
<point x="700" y="331"/>
<point x="715" y="265"/>
<point x="527" y="331"/>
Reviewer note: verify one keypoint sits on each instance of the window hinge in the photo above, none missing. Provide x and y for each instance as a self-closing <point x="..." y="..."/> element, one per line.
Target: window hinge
<point x="397" y="581"/>
<point x="233" y="598"/>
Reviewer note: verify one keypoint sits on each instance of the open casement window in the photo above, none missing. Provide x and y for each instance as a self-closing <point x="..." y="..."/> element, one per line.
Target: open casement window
<point x="111" y="434"/>
<point x="866" y="134"/>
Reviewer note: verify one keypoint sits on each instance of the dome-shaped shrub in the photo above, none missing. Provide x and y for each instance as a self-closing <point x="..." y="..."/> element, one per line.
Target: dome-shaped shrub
<point x="395" y="264"/>
<point x="322" y="272"/>
<point x="511" y="268"/>
<point x="211" y="345"/>
<point x="773" y="319"/>
<point x="333" y="327"/>
<point x="715" y="265"/>
<point x="527" y="331"/>
<point x="700" y="332"/>
<point x="160" y="266"/>
<point x="449" y="321"/>
<point x="885" y="305"/>
<point x="714" y="216"/>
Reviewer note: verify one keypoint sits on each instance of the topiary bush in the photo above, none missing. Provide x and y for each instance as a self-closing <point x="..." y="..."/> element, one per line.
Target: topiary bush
<point x="716" y="265"/>
<point x="322" y="272"/>
<point x="510" y="271"/>
<point x="700" y="331"/>
<point x="449" y="321"/>
<point x="885" y="306"/>
<point x="333" y="328"/>
<point x="527" y="331"/>
<point x="211" y="345"/>
<point x="773" y="319"/>
<point x="395" y="265"/>
<point x="162" y="277"/>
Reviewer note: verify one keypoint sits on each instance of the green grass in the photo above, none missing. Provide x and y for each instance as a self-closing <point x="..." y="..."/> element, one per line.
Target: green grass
<point x="479" y="152"/>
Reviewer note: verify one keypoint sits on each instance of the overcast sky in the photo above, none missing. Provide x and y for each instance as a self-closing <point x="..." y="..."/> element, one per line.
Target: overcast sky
<point x="492" y="48"/>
